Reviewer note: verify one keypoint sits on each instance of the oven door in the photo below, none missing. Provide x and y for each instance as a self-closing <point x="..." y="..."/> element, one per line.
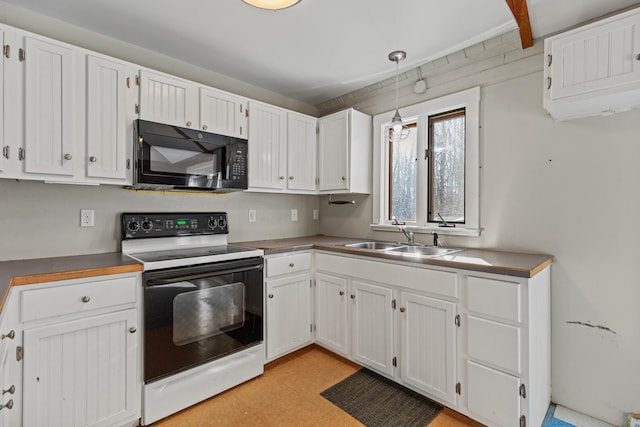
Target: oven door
<point x="199" y="313"/>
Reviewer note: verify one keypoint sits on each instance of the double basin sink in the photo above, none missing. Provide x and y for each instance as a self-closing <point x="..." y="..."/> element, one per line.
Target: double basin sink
<point x="402" y="248"/>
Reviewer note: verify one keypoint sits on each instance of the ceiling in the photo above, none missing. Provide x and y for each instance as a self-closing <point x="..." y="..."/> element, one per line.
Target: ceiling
<point x="318" y="49"/>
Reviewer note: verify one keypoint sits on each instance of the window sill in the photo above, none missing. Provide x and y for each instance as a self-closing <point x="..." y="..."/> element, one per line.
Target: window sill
<point x="450" y="231"/>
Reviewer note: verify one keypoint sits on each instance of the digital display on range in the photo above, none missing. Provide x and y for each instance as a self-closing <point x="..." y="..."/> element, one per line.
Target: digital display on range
<point x="181" y="222"/>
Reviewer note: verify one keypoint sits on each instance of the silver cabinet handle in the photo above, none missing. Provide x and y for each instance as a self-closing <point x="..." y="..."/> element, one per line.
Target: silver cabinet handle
<point x="402" y="309"/>
<point x="341" y="293"/>
<point x="638" y="57"/>
<point x="291" y="178"/>
<point x="353" y="296"/>
<point x="189" y="123"/>
<point x="93" y="159"/>
<point x="281" y="177"/>
<point x="343" y="178"/>
<point x="548" y="82"/>
<point x="291" y="265"/>
<point x="5" y="152"/>
<point x="10" y="390"/>
<point x="8" y="405"/>
<point x="132" y="330"/>
<point x="11" y="335"/>
<point x="271" y="296"/>
<point x="205" y="127"/>
<point x="68" y="156"/>
<point x="86" y="299"/>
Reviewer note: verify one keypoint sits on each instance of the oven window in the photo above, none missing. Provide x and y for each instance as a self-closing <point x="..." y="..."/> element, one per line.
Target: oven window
<point x="192" y="318"/>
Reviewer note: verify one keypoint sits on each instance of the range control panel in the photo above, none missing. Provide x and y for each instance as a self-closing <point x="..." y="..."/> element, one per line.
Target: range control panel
<point x="145" y="225"/>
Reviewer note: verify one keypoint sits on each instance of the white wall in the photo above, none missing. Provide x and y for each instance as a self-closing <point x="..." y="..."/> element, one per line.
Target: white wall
<point x="43" y="220"/>
<point x="569" y="189"/>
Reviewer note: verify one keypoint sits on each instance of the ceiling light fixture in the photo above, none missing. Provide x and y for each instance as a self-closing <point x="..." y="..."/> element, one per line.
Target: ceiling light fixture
<point x="398" y="131"/>
<point x="272" y="4"/>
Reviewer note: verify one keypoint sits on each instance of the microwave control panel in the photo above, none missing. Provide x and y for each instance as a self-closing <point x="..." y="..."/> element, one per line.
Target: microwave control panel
<point x="145" y="225"/>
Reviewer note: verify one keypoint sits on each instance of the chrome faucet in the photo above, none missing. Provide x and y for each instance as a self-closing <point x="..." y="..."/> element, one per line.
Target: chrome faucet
<point x="402" y="227"/>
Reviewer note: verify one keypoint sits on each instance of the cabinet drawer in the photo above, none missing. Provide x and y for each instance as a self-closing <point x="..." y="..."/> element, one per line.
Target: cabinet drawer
<point x="494" y="343"/>
<point x="69" y="299"/>
<point x="288" y="264"/>
<point x="495" y="298"/>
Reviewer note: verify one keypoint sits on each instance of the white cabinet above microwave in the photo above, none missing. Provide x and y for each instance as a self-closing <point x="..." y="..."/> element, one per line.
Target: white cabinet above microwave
<point x="594" y="69"/>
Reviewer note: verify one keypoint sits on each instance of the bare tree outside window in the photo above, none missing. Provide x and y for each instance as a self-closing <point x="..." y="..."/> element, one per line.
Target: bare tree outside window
<point x="402" y="177"/>
<point x="447" y="167"/>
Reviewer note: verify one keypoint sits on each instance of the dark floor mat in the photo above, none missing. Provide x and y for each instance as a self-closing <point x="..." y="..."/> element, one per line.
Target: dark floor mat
<point x="376" y="401"/>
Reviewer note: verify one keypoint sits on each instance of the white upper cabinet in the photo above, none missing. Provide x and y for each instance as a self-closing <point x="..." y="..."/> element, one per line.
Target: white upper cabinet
<point x="110" y="114"/>
<point x="344" y="153"/>
<point x="594" y="69"/>
<point x="222" y="112"/>
<point x="168" y="99"/>
<point x="51" y="105"/>
<point x="5" y="149"/>
<point x="267" y="147"/>
<point x="301" y="153"/>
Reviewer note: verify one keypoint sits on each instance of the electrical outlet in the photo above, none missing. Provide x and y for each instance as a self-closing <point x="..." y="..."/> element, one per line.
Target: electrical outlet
<point x="86" y="218"/>
<point x="316" y="214"/>
<point x="252" y="215"/>
<point x="294" y="214"/>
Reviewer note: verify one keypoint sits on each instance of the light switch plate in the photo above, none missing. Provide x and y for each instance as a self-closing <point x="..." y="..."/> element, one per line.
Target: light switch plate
<point x="252" y="215"/>
<point x="294" y="214"/>
<point x="316" y="214"/>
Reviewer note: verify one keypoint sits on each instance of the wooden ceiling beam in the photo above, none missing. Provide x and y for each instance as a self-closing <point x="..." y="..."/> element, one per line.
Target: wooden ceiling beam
<point x="521" y="13"/>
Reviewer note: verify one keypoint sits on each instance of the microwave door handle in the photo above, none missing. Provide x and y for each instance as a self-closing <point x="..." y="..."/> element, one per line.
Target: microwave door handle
<point x="157" y="282"/>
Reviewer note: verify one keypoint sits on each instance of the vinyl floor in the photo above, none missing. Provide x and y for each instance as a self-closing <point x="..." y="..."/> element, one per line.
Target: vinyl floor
<point x="288" y="394"/>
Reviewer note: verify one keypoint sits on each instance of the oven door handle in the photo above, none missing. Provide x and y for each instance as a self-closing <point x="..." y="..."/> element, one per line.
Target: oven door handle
<point x="157" y="282"/>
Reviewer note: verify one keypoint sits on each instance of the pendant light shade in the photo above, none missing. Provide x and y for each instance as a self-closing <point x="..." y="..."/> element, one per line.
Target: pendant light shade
<point x="398" y="131"/>
<point x="272" y="4"/>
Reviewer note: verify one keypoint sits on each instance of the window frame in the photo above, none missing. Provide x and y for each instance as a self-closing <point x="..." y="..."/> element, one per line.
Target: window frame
<point x="419" y="113"/>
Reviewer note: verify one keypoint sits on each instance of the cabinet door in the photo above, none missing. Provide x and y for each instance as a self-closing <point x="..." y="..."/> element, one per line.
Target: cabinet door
<point x="6" y="150"/>
<point x="167" y="99"/>
<point x="10" y="380"/>
<point x="428" y="345"/>
<point x="223" y="113"/>
<point x="301" y="152"/>
<point x="493" y="395"/>
<point x="331" y="312"/>
<point x="333" y="152"/>
<point x="372" y="326"/>
<point x="599" y="57"/>
<point x="288" y="314"/>
<point x="109" y="118"/>
<point x="50" y="108"/>
<point x="82" y="372"/>
<point x="267" y="142"/>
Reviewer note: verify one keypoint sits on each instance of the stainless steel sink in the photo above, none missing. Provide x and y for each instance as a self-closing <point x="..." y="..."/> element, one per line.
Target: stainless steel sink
<point x="429" y="251"/>
<point x="375" y="246"/>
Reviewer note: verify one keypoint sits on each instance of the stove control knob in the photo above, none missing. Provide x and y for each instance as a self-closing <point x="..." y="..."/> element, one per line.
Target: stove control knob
<point x="133" y="226"/>
<point x="147" y="225"/>
<point x="213" y="223"/>
<point x="222" y="223"/>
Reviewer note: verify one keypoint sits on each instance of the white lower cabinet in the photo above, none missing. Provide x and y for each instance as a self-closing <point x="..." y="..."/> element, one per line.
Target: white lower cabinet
<point x="331" y="313"/>
<point x="428" y="344"/>
<point x="74" y="358"/>
<point x="82" y="372"/>
<point x="288" y="303"/>
<point x="372" y="325"/>
<point x="476" y="342"/>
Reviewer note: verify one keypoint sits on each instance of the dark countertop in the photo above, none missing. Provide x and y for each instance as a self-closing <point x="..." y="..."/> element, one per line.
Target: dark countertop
<point x="484" y="260"/>
<point x="31" y="271"/>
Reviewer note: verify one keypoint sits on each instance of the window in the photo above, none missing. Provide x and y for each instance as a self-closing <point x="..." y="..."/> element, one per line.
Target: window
<point x="432" y="176"/>
<point x="445" y="154"/>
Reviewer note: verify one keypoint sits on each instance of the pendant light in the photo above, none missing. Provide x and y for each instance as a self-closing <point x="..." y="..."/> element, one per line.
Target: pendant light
<point x="272" y="4"/>
<point x="398" y="131"/>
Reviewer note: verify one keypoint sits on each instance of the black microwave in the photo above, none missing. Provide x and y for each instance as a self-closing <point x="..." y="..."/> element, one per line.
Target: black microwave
<point x="174" y="158"/>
